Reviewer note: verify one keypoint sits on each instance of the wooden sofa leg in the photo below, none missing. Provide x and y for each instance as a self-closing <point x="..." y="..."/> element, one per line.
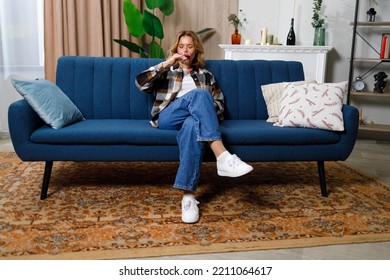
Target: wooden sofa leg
<point x="321" y="173"/>
<point x="46" y="179"/>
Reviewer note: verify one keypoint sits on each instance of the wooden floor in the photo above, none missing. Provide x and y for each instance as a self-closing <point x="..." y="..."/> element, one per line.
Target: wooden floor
<point x="371" y="157"/>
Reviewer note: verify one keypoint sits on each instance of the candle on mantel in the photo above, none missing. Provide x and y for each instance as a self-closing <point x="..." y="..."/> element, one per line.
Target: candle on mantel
<point x="264" y="36"/>
<point x="248" y="42"/>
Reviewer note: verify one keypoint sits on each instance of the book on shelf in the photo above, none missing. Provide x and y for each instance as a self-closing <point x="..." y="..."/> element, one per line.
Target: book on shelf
<point x="385" y="46"/>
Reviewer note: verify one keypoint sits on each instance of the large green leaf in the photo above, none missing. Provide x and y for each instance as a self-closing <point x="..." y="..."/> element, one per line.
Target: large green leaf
<point x="152" y="4"/>
<point x="168" y="7"/>
<point x="133" y="18"/>
<point x="152" y="25"/>
<point x="205" y="30"/>
<point x="132" y="47"/>
<point x="155" y="50"/>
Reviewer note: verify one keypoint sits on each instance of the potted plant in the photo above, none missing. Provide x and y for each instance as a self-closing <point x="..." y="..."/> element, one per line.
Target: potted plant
<point x="236" y="22"/>
<point x="318" y="23"/>
<point x="146" y="23"/>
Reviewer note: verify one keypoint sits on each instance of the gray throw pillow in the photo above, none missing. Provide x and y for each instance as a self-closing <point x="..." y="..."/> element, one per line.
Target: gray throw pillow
<point x="49" y="102"/>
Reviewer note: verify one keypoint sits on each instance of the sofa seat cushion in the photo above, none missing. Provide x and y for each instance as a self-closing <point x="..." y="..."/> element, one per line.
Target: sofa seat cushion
<point x="106" y="132"/>
<point x="140" y="132"/>
<point x="259" y="132"/>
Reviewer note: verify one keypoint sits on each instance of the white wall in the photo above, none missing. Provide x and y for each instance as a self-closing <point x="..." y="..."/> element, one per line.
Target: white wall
<point x="276" y="16"/>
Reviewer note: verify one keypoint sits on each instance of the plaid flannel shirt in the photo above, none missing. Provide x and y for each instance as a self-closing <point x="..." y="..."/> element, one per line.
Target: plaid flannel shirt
<point x="165" y="84"/>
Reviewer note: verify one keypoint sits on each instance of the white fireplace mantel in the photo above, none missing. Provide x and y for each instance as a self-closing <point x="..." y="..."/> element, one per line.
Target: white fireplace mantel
<point x="313" y="58"/>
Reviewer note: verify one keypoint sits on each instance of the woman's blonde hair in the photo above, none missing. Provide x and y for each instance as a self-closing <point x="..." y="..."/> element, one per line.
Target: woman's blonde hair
<point x="199" y="50"/>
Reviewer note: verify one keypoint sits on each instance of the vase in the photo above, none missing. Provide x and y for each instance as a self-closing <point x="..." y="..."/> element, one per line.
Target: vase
<point x="319" y="36"/>
<point x="236" y="38"/>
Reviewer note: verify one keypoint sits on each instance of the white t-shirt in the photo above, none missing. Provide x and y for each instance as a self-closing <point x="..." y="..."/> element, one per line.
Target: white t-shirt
<point x="187" y="85"/>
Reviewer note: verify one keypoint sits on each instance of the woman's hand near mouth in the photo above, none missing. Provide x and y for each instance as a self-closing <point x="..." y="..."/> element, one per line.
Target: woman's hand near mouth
<point x="177" y="58"/>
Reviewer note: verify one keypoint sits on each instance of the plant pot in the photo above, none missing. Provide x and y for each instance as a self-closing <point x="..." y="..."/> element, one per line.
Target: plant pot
<point x="236" y="38"/>
<point x="319" y="36"/>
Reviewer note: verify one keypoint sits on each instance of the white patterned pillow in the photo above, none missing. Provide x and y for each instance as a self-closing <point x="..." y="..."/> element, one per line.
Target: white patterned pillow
<point x="313" y="106"/>
<point x="272" y="94"/>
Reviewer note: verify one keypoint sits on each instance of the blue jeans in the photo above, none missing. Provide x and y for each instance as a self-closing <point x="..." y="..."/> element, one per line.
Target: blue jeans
<point x="194" y="116"/>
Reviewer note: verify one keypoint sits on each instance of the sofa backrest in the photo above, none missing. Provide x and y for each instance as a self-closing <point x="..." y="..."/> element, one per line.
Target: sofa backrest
<point x="104" y="88"/>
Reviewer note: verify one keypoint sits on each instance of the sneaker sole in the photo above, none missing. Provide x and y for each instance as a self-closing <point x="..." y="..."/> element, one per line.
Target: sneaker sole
<point x="190" y="221"/>
<point x="229" y="174"/>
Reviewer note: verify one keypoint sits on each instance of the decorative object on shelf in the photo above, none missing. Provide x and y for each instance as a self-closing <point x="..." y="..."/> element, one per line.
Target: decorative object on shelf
<point x="358" y="84"/>
<point x="380" y="82"/>
<point x="385" y="46"/>
<point x="236" y="38"/>
<point x="264" y="32"/>
<point x="361" y="120"/>
<point x="318" y="24"/>
<point x="371" y="15"/>
<point x="237" y="22"/>
<point x="291" y="35"/>
<point x="319" y="36"/>
<point x="270" y="39"/>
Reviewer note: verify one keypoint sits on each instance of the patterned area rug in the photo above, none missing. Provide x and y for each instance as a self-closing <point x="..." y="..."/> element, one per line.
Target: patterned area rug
<point x="129" y="210"/>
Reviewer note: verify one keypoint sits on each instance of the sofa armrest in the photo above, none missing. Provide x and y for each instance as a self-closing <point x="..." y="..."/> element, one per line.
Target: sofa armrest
<point x="351" y="126"/>
<point x="22" y="122"/>
<point x="351" y="119"/>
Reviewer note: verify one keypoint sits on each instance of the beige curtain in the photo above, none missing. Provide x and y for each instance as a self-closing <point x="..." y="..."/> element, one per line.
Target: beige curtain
<point x="86" y="27"/>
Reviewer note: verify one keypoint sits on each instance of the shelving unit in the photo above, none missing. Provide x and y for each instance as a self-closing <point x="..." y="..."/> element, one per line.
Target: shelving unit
<point x="369" y="94"/>
<point x="372" y="63"/>
<point x="367" y="59"/>
<point x="372" y="24"/>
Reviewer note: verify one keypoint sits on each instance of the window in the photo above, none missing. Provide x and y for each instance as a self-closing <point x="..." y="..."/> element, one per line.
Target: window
<point x="21" y="48"/>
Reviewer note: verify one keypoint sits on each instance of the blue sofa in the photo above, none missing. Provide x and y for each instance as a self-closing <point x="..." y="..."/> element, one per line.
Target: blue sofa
<point x="117" y="118"/>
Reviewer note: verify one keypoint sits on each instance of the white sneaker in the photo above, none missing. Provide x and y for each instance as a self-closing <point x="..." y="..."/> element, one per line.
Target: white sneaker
<point x="233" y="166"/>
<point x="189" y="209"/>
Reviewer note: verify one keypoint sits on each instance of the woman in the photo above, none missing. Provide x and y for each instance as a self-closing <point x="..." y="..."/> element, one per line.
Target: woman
<point x="188" y="99"/>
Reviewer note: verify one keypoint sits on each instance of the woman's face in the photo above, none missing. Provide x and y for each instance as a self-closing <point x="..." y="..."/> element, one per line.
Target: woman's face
<point x="186" y="47"/>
